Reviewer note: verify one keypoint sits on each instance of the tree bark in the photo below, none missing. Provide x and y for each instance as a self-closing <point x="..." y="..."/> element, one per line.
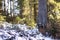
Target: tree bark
<point x="42" y="13"/>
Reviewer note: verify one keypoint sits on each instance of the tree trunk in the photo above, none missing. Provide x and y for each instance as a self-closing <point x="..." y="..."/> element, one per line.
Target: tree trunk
<point x="35" y="11"/>
<point x="21" y="5"/>
<point x="42" y="13"/>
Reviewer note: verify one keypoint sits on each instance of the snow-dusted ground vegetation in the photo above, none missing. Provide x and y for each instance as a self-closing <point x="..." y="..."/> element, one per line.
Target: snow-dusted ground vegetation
<point x="20" y="32"/>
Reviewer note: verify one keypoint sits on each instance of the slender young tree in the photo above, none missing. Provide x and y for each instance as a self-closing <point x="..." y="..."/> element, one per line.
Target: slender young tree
<point x="35" y="13"/>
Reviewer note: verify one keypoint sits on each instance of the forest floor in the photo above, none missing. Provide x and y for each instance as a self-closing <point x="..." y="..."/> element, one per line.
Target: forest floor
<point x="20" y="32"/>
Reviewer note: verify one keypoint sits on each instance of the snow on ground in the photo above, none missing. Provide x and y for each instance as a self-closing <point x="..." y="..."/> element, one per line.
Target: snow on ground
<point x="20" y="32"/>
